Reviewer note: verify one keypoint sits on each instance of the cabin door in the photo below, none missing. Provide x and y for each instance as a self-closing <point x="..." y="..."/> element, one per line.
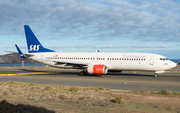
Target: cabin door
<point x="151" y="60"/>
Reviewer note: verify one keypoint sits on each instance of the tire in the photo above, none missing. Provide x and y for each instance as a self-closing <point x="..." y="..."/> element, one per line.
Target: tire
<point x="84" y="72"/>
<point x="155" y="75"/>
<point x="81" y="73"/>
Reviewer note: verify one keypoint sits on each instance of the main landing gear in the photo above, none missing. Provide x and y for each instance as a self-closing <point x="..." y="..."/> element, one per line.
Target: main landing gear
<point x="83" y="73"/>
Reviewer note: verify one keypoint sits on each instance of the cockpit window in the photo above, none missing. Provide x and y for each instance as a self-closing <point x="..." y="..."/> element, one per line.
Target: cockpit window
<point x="163" y="59"/>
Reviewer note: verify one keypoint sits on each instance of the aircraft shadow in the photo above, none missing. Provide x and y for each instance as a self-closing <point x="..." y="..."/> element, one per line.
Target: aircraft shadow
<point x="117" y="74"/>
<point x="94" y="75"/>
<point x="27" y="70"/>
<point x="130" y="74"/>
<point x="99" y="75"/>
<point x="20" y="108"/>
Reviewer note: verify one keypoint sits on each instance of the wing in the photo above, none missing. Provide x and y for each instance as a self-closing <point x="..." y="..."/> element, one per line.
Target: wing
<point x="58" y="62"/>
<point x="27" y="55"/>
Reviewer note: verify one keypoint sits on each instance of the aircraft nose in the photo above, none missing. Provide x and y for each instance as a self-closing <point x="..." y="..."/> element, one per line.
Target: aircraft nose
<point x="173" y="64"/>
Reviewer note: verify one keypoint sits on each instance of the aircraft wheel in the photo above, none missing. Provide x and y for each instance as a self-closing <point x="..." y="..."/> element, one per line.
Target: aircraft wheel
<point x="155" y="75"/>
<point x="82" y="73"/>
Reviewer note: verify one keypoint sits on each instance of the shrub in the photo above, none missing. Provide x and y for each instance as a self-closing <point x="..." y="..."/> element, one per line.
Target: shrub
<point x="62" y="97"/>
<point x="11" y="91"/>
<point x="175" y="93"/>
<point x="142" y="89"/>
<point x="118" y="100"/>
<point x="165" y="92"/>
<point x="73" y="89"/>
<point x="5" y="93"/>
<point x="82" y="98"/>
<point x="11" y="82"/>
<point x="47" y="88"/>
<point x="89" y="88"/>
<point x="32" y="88"/>
<point x="100" y="88"/>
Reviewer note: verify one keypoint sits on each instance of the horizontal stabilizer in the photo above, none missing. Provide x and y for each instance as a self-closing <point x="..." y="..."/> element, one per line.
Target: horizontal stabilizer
<point x="20" y="52"/>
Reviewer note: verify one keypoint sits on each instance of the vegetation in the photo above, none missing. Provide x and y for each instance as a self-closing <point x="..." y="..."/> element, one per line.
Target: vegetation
<point x="144" y="90"/>
<point x="118" y="100"/>
<point x="73" y="89"/>
<point x="62" y="97"/>
<point x="17" y="97"/>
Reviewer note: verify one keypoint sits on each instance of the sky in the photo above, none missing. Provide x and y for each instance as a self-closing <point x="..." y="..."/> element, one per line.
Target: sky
<point x="149" y="26"/>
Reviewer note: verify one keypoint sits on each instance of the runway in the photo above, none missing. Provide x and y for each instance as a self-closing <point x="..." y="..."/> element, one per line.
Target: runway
<point x="127" y="80"/>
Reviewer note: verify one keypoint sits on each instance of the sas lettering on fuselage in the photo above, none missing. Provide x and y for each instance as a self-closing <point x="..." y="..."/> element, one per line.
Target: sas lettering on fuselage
<point x="134" y="56"/>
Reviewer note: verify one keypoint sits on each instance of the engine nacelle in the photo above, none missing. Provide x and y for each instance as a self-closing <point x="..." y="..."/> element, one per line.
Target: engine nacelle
<point x="97" y="69"/>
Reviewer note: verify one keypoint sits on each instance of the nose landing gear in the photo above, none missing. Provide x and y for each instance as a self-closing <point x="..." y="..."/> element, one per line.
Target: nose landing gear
<point x="155" y="75"/>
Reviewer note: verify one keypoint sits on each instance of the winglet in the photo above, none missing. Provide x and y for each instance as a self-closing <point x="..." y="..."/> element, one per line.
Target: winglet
<point x="20" y="52"/>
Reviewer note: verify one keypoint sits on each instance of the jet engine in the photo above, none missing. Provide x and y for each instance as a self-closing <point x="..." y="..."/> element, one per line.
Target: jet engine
<point x="97" y="69"/>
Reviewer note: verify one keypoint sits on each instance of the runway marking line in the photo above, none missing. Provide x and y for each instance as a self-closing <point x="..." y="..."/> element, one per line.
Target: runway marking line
<point x="34" y="73"/>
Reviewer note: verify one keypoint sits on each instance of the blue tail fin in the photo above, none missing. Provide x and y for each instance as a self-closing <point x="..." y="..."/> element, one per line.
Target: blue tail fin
<point x="20" y="52"/>
<point x="34" y="46"/>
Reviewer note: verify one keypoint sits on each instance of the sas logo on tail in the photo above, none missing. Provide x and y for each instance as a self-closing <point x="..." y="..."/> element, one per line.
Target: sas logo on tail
<point x="34" y="47"/>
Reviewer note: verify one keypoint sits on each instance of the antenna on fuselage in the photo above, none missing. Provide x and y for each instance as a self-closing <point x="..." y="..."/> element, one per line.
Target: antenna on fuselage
<point x="97" y="51"/>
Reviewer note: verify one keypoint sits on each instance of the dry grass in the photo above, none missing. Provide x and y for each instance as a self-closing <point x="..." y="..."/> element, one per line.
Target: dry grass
<point x="62" y="97"/>
<point x="24" y="97"/>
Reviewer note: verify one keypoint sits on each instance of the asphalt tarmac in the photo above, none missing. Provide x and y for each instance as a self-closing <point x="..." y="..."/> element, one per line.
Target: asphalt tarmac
<point x="127" y="80"/>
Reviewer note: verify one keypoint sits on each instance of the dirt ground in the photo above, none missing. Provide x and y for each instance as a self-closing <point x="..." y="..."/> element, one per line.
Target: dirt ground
<point x="20" y="97"/>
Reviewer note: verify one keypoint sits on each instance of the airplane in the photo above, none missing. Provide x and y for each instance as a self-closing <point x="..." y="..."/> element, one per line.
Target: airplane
<point x="94" y="62"/>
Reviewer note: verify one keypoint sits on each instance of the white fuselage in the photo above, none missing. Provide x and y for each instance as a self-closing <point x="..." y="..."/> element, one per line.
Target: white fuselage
<point x="113" y="61"/>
